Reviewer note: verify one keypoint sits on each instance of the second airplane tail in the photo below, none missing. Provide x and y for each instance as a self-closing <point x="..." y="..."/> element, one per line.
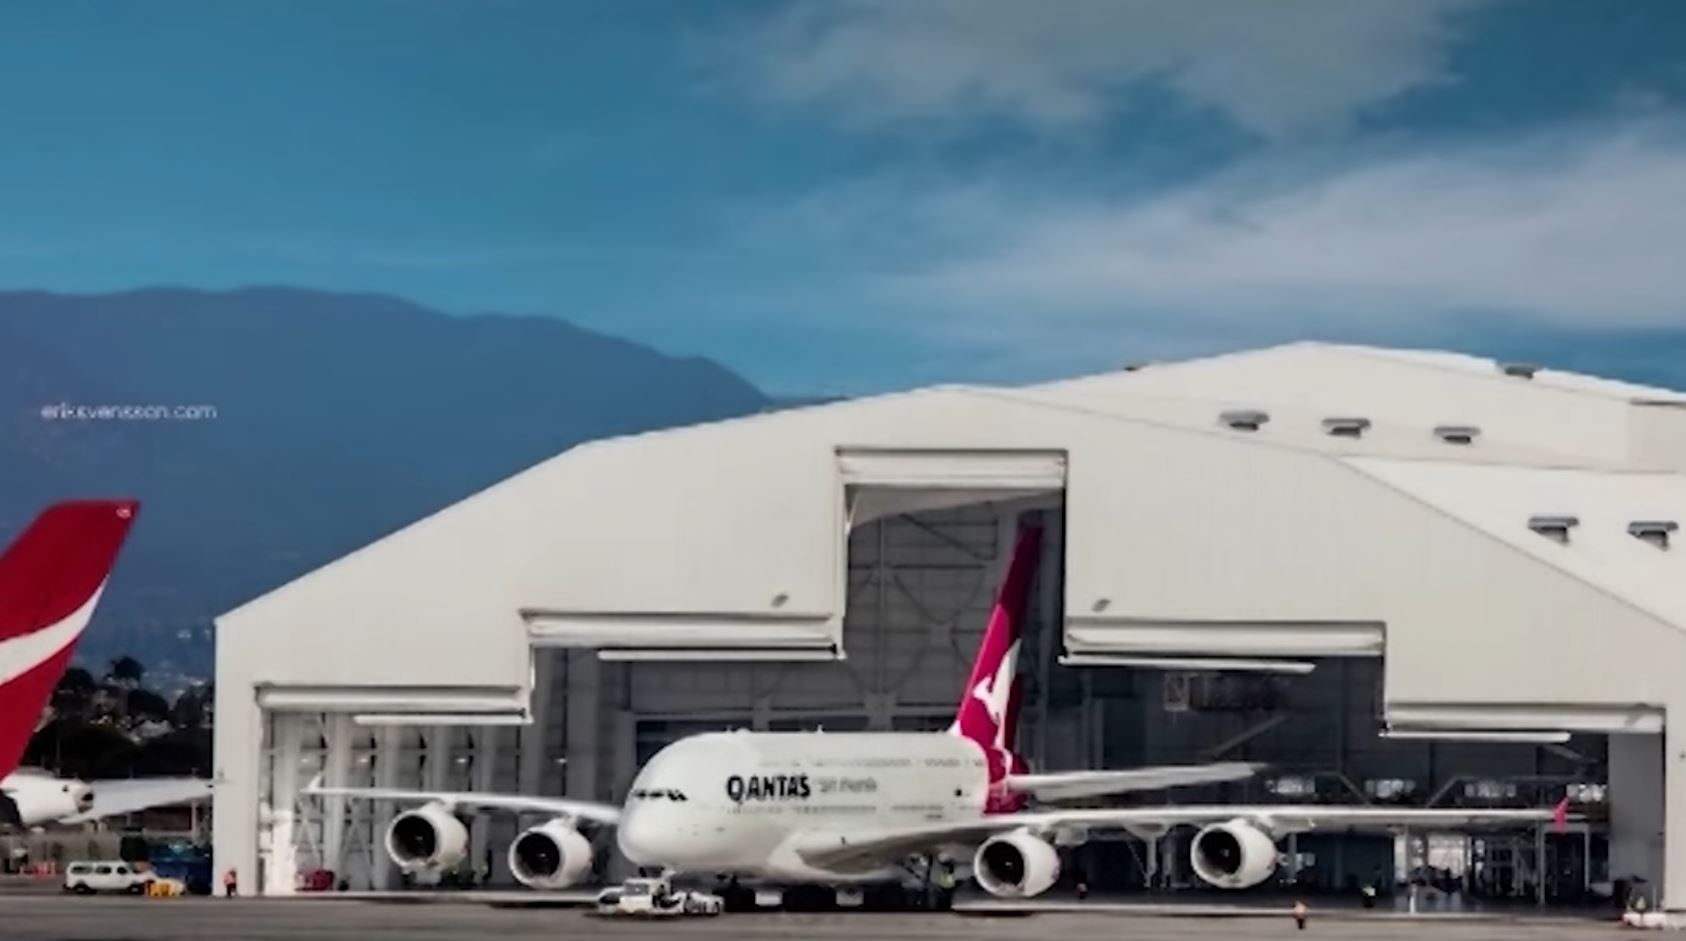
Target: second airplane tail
<point x="50" y="581"/>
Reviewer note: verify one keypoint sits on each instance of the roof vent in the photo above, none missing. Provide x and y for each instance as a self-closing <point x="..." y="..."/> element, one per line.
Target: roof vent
<point x="1346" y="427"/>
<point x="1519" y="370"/>
<point x="1655" y="532"/>
<point x="1245" y="419"/>
<point x="1456" y="434"/>
<point x="1553" y="527"/>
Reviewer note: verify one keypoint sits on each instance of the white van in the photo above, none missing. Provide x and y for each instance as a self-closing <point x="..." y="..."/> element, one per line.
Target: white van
<point x="105" y="876"/>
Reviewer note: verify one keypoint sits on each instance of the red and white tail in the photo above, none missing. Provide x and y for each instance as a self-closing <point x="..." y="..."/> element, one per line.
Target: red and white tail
<point x="50" y="581"/>
<point x="988" y="713"/>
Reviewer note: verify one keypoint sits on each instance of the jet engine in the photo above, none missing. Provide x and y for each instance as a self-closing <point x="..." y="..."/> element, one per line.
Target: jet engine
<point x="1019" y="864"/>
<point x="1233" y="855"/>
<point x="429" y="838"/>
<point x="551" y="856"/>
<point x="32" y="800"/>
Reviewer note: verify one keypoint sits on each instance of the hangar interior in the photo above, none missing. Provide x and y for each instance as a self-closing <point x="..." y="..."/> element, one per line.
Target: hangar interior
<point x="1359" y="672"/>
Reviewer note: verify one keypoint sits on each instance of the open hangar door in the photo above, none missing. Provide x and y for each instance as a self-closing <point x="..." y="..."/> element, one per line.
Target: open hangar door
<point x="1316" y="725"/>
<point x="317" y="843"/>
<point x="924" y="538"/>
<point x="920" y="583"/>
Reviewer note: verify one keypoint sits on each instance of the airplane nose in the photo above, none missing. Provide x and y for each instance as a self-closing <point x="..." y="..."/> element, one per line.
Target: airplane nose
<point x="633" y="834"/>
<point x="644" y="840"/>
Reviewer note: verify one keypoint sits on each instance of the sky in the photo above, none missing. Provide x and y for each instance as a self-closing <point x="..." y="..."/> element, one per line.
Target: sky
<point x="846" y="196"/>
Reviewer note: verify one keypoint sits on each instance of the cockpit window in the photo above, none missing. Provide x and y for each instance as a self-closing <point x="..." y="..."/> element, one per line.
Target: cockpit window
<point x="672" y="794"/>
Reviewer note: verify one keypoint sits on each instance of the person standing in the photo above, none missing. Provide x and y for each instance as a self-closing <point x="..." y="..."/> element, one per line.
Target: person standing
<point x="945" y="886"/>
<point x="230" y="884"/>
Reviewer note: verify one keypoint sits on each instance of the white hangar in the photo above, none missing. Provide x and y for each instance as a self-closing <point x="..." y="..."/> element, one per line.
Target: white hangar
<point x="1274" y="554"/>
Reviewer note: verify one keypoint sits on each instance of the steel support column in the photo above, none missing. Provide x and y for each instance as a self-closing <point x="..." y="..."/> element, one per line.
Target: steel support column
<point x="530" y="774"/>
<point x="389" y="750"/>
<point x="280" y="875"/>
<point x="486" y="742"/>
<point x="336" y="772"/>
<point x="1674" y="810"/>
<point x="583" y="718"/>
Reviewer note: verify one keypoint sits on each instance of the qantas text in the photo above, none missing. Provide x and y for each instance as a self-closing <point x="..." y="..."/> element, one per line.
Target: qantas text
<point x="767" y="787"/>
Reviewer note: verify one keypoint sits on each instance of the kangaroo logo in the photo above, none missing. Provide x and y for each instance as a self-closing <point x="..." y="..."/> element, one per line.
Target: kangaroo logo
<point x="993" y="692"/>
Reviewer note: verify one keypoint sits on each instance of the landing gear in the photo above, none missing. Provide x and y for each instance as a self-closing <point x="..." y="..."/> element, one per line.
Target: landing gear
<point x="891" y="898"/>
<point x="810" y="898"/>
<point x="737" y="898"/>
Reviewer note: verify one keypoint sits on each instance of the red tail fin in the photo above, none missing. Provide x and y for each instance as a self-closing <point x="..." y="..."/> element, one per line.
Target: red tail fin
<point x="988" y="708"/>
<point x="50" y="580"/>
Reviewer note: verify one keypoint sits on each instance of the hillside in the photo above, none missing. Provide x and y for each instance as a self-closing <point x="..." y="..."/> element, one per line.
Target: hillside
<point x="339" y="418"/>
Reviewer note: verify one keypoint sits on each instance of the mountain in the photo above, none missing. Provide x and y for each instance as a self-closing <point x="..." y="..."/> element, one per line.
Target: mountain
<point x="338" y="418"/>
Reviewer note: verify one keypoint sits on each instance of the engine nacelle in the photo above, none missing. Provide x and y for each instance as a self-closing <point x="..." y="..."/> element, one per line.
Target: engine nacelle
<point x="1233" y="855"/>
<point x="429" y="838"/>
<point x="551" y="856"/>
<point x="33" y="799"/>
<point x="1019" y="864"/>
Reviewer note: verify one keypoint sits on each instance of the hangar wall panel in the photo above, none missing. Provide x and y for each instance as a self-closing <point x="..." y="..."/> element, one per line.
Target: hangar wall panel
<point x="1195" y="528"/>
<point x="1659" y="435"/>
<point x="1636" y="818"/>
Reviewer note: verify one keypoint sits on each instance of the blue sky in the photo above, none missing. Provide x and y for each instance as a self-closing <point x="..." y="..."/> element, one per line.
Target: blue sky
<point x="866" y="194"/>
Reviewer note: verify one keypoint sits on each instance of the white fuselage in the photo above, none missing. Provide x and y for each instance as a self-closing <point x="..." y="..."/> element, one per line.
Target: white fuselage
<point x="41" y="798"/>
<point x="734" y="802"/>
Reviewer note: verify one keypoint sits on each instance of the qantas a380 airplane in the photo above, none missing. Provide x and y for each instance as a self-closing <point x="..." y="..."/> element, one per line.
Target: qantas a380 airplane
<point x="824" y="809"/>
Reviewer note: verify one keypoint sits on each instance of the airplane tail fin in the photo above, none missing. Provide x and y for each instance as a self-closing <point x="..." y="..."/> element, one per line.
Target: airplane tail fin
<point x="50" y="581"/>
<point x="988" y="709"/>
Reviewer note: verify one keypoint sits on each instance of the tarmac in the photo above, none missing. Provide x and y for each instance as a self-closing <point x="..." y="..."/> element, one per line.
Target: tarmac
<point x="52" y="917"/>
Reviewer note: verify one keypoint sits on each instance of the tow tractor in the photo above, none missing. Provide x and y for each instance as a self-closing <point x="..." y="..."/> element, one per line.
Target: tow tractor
<point x="656" y="898"/>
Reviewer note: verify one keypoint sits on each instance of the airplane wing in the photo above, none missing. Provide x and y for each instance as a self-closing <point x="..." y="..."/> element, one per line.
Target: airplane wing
<point x="515" y="803"/>
<point x="1077" y="785"/>
<point x="119" y="797"/>
<point x="846" y="850"/>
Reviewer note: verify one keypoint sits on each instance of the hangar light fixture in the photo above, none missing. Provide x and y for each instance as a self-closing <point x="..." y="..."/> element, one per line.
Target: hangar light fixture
<point x="1554" y="527"/>
<point x="1390" y="788"/>
<point x="1587" y="792"/>
<point x="1292" y="786"/>
<point x="1477" y="735"/>
<point x="1655" y="532"/>
<point x="1519" y="370"/>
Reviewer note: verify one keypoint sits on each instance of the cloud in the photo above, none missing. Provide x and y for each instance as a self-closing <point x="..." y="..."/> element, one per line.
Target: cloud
<point x="1587" y="234"/>
<point x="1576" y="229"/>
<point x="1272" y="68"/>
